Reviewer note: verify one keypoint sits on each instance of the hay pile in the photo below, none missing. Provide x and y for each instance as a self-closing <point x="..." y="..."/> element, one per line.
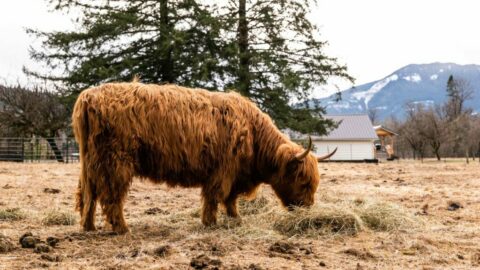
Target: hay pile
<point x="264" y="217"/>
<point x="345" y="217"/>
<point x="385" y="217"/>
<point x="324" y="219"/>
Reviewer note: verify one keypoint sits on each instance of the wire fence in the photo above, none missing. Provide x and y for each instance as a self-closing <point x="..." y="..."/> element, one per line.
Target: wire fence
<point x="21" y="149"/>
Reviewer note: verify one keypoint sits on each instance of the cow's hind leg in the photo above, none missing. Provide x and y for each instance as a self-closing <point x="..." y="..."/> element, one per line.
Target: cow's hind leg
<point x="113" y="199"/>
<point x="113" y="211"/>
<point x="86" y="200"/>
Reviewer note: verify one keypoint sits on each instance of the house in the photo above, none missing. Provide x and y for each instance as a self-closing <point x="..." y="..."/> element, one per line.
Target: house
<point x="354" y="139"/>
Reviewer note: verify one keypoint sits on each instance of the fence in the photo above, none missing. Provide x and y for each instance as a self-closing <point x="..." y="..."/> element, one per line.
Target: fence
<point x="38" y="149"/>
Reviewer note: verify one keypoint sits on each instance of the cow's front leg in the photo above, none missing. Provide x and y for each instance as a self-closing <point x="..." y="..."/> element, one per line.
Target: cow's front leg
<point x="209" y="210"/>
<point x="215" y="191"/>
<point x="231" y="206"/>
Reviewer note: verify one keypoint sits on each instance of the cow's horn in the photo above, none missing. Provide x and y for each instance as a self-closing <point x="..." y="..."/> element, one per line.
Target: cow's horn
<point x="305" y="153"/>
<point x="327" y="155"/>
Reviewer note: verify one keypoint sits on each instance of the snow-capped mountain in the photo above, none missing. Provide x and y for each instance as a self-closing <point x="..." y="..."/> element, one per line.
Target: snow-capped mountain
<point x="424" y="83"/>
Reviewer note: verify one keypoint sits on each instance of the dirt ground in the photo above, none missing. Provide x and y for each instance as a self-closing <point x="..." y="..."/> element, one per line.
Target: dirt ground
<point x="166" y="232"/>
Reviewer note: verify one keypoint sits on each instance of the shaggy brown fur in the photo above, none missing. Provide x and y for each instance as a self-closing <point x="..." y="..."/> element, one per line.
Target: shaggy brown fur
<point x="185" y="137"/>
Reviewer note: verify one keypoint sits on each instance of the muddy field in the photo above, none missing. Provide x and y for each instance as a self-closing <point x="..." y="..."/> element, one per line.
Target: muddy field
<point x="442" y="200"/>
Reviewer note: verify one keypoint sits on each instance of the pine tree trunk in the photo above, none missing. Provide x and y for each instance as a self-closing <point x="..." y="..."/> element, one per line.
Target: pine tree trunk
<point x="244" y="64"/>
<point x="166" y="61"/>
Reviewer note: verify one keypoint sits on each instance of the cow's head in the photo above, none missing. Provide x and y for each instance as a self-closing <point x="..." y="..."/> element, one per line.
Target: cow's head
<point x="297" y="176"/>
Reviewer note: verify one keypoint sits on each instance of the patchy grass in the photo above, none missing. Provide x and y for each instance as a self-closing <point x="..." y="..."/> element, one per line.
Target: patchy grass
<point x="59" y="217"/>
<point x="11" y="214"/>
<point x="377" y="230"/>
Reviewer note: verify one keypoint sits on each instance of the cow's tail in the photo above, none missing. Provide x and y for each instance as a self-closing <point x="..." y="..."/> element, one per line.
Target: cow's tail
<point x="85" y="197"/>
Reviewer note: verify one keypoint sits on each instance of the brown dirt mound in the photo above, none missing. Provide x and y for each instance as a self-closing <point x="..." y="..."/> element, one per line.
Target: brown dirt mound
<point x="204" y="262"/>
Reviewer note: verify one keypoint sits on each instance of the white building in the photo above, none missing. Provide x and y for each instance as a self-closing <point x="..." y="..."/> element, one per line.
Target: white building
<point x="354" y="138"/>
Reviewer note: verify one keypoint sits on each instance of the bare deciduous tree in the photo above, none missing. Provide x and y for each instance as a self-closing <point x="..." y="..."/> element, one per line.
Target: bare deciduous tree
<point x="33" y="112"/>
<point x="432" y="129"/>
<point x="473" y="137"/>
<point x="410" y="130"/>
<point x="449" y="129"/>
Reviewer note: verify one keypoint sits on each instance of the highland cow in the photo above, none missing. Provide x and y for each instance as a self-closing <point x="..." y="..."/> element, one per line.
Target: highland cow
<point x="184" y="137"/>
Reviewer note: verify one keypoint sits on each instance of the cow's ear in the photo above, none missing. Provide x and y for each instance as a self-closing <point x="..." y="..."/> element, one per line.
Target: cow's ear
<point x="293" y="164"/>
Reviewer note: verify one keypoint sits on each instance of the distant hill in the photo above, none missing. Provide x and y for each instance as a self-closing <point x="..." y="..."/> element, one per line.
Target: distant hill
<point x="424" y="83"/>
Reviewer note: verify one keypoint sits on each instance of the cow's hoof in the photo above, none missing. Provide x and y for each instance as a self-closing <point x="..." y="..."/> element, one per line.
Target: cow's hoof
<point x="89" y="228"/>
<point x="121" y="230"/>
<point x="209" y="223"/>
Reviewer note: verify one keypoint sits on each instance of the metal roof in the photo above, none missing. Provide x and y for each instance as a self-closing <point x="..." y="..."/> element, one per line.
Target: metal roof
<point x="351" y="127"/>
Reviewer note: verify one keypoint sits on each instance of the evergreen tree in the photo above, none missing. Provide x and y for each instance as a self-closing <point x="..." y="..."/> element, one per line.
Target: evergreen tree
<point x="160" y="40"/>
<point x="274" y="56"/>
<point x="451" y="106"/>
<point x="267" y="50"/>
<point x="458" y="92"/>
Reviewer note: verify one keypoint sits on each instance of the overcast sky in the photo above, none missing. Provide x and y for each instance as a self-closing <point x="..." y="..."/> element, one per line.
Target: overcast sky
<point x="376" y="37"/>
<point x="372" y="37"/>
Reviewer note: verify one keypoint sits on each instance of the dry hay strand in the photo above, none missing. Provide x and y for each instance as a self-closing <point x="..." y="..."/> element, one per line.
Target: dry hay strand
<point x="59" y="217"/>
<point x="252" y="207"/>
<point x="385" y="217"/>
<point x="320" y="220"/>
<point x="11" y="214"/>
